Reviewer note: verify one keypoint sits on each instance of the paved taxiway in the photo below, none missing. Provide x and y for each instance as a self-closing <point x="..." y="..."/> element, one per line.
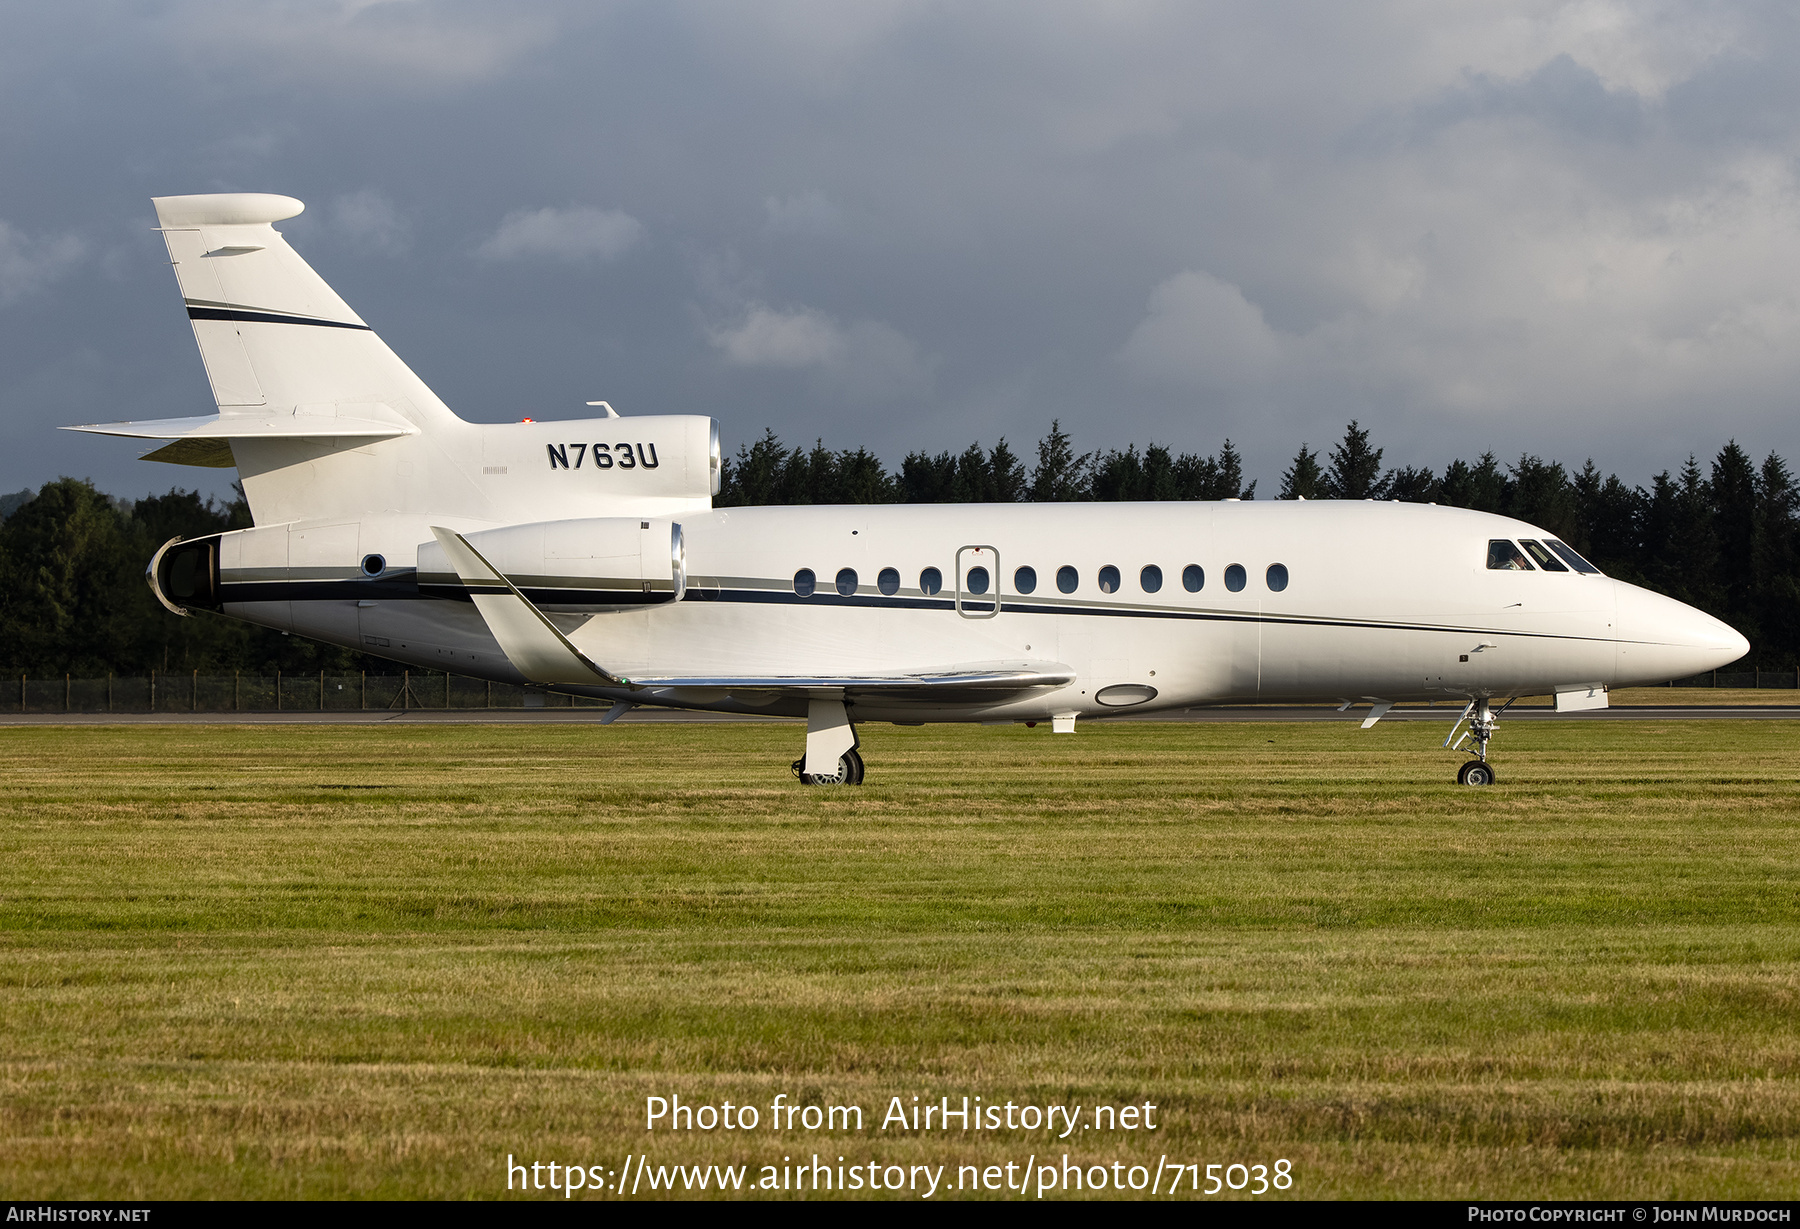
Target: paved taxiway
<point x="592" y="716"/>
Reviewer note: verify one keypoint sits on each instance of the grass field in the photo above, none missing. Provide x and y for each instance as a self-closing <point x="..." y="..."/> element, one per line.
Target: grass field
<point x="339" y="961"/>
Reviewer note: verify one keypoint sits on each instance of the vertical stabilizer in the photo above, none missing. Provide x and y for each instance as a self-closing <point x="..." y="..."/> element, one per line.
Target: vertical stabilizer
<point x="273" y="335"/>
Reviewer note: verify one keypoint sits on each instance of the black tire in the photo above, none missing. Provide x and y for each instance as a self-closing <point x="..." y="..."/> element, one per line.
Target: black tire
<point x="850" y="771"/>
<point x="1475" y="772"/>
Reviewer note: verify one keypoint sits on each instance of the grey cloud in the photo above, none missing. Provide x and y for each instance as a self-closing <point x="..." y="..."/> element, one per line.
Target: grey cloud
<point x="1561" y="96"/>
<point x="865" y="360"/>
<point x="29" y="263"/>
<point x="804" y="213"/>
<point x="312" y="42"/>
<point x="1203" y="332"/>
<point x="578" y="233"/>
<point x="371" y="222"/>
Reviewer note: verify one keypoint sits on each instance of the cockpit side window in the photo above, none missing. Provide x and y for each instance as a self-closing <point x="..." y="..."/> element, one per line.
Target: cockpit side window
<point x="1572" y="559"/>
<point x="1545" y="560"/>
<point x="1503" y="556"/>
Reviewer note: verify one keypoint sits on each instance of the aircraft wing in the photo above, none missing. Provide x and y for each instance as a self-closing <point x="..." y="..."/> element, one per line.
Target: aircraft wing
<point x="530" y="641"/>
<point x="543" y="654"/>
<point x="974" y="683"/>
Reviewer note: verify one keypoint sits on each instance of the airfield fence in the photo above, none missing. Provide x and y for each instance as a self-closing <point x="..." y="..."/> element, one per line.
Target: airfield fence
<point x="193" y="692"/>
<point x="1742" y="678"/>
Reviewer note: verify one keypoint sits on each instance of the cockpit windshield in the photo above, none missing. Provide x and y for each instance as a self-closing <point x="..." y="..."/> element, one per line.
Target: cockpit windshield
<point x="1545" y="560"/>
<point x="1503" y="556"/>
<point x="1573" y="560"/>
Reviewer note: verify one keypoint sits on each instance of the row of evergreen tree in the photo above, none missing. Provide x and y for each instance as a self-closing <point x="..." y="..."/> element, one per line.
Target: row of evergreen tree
<point x="768" y="472"/>
<point x="1723" y="536"/>
<point x="73" y="598"/>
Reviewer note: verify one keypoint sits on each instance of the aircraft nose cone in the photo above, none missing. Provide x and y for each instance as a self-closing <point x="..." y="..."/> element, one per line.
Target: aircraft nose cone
<point x="1662" y="639"/>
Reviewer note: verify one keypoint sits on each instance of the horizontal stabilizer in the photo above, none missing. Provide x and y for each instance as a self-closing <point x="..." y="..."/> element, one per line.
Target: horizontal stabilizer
<point x="206" y="439"/>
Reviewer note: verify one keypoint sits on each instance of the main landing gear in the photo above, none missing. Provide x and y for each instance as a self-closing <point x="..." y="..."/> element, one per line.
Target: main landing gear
<point x="831" y="757"/>
<point x="1481" y="718"/>
<point x="849" y="771"/>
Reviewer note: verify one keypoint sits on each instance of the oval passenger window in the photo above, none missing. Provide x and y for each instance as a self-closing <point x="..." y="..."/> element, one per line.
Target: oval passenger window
<point x="888" y="582"/>
<point x="1150" y="578"/>
<point x="1193" y="578"/>
<point x="1066" y="579"/>
<point x="1235" y="578"/>
<point x="846" y="582"/>
<point x="1025" y="580"/>
<point x="1277" y="577"/>
<point x="978" y="580"/>
<point x="931" y="581"/>
<point x="1109" y="579"/>
<point x="805" y="582"/>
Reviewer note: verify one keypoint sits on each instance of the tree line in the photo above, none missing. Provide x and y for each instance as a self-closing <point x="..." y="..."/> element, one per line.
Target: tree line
<point x="73" y="598"/>
<point x="1723" y="536"/>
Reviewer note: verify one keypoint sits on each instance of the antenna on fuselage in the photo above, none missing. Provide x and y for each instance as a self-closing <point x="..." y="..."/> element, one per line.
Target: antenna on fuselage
<point x="610" y="412"/>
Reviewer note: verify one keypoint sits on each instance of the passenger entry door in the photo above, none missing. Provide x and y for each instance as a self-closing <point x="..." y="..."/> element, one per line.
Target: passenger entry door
<point x="977" y="582"/>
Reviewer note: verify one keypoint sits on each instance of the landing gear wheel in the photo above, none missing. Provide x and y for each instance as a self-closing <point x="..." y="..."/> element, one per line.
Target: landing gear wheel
<point x="849" y="771"/>
<point x="1475" y="772"/>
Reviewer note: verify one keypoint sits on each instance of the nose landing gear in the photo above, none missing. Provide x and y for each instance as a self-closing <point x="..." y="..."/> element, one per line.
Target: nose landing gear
<point x="1475" y="772"/>
<point x="1482" y="719"/>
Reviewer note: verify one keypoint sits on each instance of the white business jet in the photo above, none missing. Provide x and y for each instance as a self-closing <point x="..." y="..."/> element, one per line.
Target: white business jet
<point x="585" y="556"/>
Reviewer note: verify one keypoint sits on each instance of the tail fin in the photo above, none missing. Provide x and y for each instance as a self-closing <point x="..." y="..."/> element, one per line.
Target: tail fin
<point x="274" y="337"/>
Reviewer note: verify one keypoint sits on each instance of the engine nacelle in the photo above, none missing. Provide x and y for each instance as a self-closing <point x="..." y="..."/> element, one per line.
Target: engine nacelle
<point x="586" y="564"/>
<point x="183" y="574"/>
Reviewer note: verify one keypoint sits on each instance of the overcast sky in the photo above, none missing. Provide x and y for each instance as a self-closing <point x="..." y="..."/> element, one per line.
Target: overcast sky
<point x="1565" y="228"/>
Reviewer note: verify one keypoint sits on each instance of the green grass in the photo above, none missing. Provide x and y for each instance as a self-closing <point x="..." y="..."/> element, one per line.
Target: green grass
<point x="374" y="961"/>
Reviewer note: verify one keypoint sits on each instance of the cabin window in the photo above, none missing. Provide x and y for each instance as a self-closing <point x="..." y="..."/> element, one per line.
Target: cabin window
<point x="1277" y="577"/>
<point x="1150" y="578"/>
<point x="931" y="581"/>
<point x="978" y="580"/>
<point x="1109" y="579"/>
<point x="1572" y="559"/>
<point x="888" y="582"/>
<point x="846" y="582"/>
<point x="1235" y="578"/>
<point x="1025" y="580"/>
<point x="1067" y="579"/>
<point x="1193" y="578"/>
<point x="805" y="582"/>
<point x="1503" y="556"/>
<point x="1541" y="553"/>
